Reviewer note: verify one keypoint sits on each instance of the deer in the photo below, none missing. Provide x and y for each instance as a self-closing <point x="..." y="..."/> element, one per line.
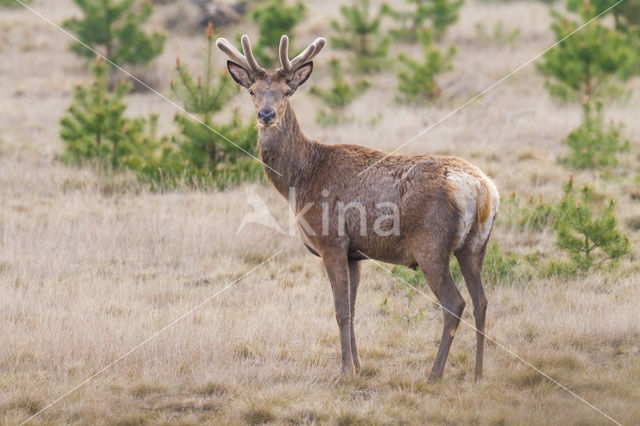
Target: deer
<point x="433" y="206"/>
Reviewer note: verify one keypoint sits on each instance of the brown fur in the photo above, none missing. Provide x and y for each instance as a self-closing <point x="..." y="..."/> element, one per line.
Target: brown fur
<point x="419" y="185"/>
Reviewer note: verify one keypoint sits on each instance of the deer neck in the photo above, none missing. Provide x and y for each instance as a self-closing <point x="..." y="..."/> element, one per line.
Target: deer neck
<point x="287" y="153"/>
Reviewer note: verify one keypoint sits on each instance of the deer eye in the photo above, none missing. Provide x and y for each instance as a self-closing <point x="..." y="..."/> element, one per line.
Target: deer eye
<point x="288" y="92"/>
<point x="251" y="92"/>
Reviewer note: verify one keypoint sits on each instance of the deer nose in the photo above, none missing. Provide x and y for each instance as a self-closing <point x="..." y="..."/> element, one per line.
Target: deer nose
<point x="266" y="114"/>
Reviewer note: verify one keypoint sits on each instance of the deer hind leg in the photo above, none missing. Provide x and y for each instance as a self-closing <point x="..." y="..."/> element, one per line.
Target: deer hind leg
<point x="436" y="271"/>
<point x="470" y="260"/>
<point x="338" y="271"/>
<point x="354" y="280"/>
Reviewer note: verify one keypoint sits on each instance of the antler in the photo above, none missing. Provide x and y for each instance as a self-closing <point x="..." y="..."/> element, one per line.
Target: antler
<point x="309" y="53"/>
<point x="247" y="61"/>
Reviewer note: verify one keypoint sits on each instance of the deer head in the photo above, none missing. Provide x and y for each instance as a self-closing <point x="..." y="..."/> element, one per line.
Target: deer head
<point x="270" y="90"/>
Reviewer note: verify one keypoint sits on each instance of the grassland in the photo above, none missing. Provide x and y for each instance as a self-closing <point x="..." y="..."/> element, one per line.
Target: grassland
<point x="92" y="266"/>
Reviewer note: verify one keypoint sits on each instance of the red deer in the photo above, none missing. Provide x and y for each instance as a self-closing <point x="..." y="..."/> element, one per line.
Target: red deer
<point x="429" y="206"/>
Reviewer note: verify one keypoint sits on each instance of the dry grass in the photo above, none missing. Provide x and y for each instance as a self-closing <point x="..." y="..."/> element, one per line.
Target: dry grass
<point x="90" y="267"/>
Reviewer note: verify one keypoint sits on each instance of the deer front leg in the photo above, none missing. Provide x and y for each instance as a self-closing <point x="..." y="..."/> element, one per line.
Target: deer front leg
<point x="338" y="271"/>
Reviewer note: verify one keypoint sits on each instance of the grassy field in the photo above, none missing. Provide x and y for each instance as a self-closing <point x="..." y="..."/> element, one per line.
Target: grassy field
<point x="91" y="266"/>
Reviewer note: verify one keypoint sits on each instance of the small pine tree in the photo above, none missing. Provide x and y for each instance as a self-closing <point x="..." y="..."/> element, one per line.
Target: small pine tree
<point x="96" y="131"/>
<point x="587" y="63"/>
<point x="13" y="3"/>
<point x="205" y="155"/>
<point x="440" y="13"/>
<point x="626" y="14"/>
<point x="274" y="19"/>
<point x="416" y="80"/>
<point x="338" y="96"/>
<point x="444" y="13"/>
<point x="594" y="144"/>
<point x="498" y="35"/>
<point x="360" y="34"/>
<point x="114" y="27"/>
<point x="587" y="232"/>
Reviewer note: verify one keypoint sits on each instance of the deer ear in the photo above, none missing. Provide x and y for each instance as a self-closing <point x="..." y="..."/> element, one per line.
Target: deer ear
<point x="300" y="75"/>
<point x="239" y="74"/>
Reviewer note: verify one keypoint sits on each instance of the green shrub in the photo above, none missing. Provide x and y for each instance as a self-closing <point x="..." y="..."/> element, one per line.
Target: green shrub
<point x="207" y="158"/>
<point x="96" y="132"/>
<point x="558" y="268"/>
<point x="594" y="143"/>
<point x="444" y="13"/>
<point x="588" y="232"/>
<point x="417" y="80"/>
<point x="588" y="66"/>
<point x="114" y="27"/>
<point x="13" y="3"/>
<point x="359" y="32"/>
<point x="534" y="215"/>
<point x="409" y="279"/>
<point x="498" y="35"/>
<point x="274" y="19"/>
<point x="626" y="14"/>
<point x="95" y="129"/>
<point x="338" y="96"/>
<point x="588" y="63"/>
<point x="499" y="268"/>
<point x="440" y="13"/>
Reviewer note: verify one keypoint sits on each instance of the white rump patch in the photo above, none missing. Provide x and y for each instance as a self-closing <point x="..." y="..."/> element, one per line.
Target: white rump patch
<point x="485" y="228"/>
<point x="467" y="190"/>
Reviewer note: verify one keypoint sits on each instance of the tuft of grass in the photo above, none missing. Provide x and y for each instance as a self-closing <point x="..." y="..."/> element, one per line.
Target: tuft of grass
<point x="368" y="372"/>
<point x="351" y="419"/>
<point x="407" y="383"/>
<point x="139" y="419"/>
<point x="143" y="390"/>
<point x="305" y="417"/>
<point x="634" y="223"/>
<point x="244" y="352"/>
<point x="212" y="389"/>
<point x="534" y="215"/>
<point x="258" y="415"/>
<point x="502" y="268"/>
<point x="528" y="379"/>
<point x="27" y="403"/>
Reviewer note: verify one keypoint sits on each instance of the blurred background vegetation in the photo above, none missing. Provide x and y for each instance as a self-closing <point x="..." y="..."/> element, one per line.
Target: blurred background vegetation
<point x="590" y="66"/>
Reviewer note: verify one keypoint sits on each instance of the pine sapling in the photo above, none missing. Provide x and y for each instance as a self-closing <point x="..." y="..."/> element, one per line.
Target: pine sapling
<point x="338" y="96"/>
<point x="359" y="32"/>
<point x="587" y="64"/>
<point x="274" y="19"/>
<point x="626" y="14"/>
<point x="13" y="3"/>
<point x="588" y="231"/>
<point x="115" y="29"/>
<point x="595" y="143"/>
<point x="204" y="153"/>
<point x="417" y="80"/>
<point x="437" y="15"/>
<point x="95" y="130"/>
